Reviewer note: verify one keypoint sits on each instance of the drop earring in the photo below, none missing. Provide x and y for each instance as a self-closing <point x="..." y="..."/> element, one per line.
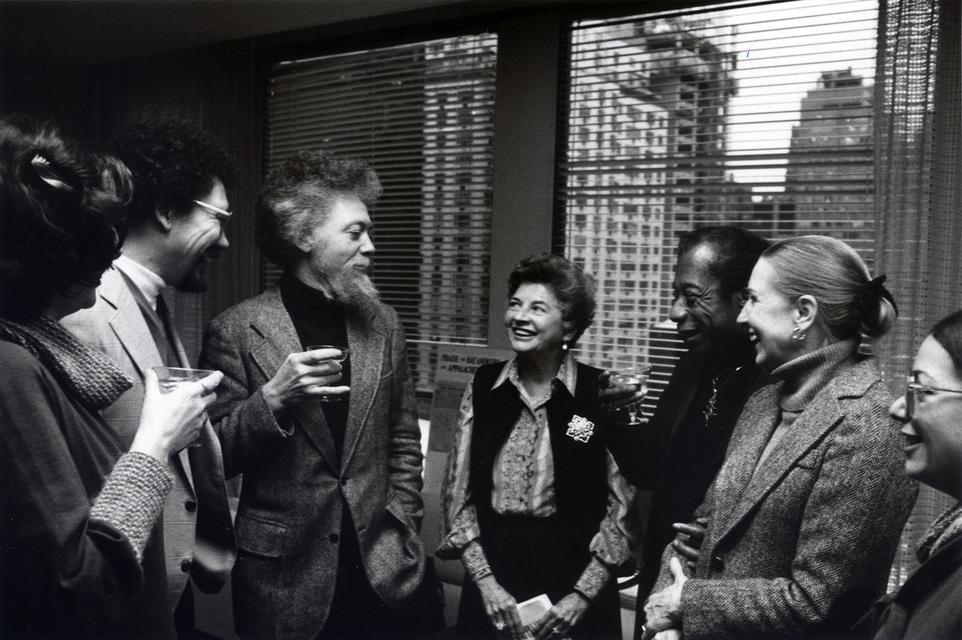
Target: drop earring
<point x="797" y="333"/>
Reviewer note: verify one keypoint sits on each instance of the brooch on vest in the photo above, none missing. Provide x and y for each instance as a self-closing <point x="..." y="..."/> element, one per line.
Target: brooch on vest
<point x="580" y="429"/>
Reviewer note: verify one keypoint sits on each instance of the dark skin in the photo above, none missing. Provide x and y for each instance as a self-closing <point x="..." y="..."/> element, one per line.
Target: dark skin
<point x="705" y="317"/>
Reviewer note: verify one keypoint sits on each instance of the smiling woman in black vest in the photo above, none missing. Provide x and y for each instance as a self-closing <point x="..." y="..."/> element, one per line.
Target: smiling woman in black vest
<point x="533" y="503"/>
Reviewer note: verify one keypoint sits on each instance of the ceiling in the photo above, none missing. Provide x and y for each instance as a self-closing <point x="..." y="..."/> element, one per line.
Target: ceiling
<point x="80" y="32"/>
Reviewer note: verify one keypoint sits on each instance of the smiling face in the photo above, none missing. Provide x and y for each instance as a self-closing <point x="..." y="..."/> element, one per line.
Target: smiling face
<point x="770" y="318"/>
<point x="198" y="237"/>
<point x="534" y="319"/>
<point x="933" y="435"/>
<point x="338" y="252"/>
<point x="704" y="318"/>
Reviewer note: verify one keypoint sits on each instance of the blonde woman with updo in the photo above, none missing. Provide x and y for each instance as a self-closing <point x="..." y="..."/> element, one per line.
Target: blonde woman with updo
<point x="805" y="514"/>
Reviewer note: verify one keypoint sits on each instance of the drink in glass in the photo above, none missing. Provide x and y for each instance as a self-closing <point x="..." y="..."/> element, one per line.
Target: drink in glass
<point x="635" y="378"/>
<point x="345" y="352"/>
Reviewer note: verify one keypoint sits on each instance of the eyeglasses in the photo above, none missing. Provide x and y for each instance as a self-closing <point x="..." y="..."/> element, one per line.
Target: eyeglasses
<point x="915" y="390"/>
<point x="222" y="215"/>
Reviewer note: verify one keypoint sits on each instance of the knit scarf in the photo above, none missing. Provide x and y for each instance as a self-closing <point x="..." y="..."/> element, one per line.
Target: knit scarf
<point x="946" y="528"/>
<point x="87" y="374"/>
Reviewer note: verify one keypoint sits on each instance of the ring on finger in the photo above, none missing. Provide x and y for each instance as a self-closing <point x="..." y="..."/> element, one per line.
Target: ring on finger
<point x="499" y="625"/>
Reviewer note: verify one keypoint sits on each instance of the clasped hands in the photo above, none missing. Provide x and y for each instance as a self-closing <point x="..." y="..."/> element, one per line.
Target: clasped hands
<point x="502" y="611"/>
<point x="663" y="609"/>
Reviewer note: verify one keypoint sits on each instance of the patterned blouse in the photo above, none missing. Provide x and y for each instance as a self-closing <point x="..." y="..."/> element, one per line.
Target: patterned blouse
<point x="523" y="484"/>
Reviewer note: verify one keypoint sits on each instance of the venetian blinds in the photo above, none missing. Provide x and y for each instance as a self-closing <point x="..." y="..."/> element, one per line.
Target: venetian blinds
<point x="423" y="115"/>
<point x="752" y="114"/>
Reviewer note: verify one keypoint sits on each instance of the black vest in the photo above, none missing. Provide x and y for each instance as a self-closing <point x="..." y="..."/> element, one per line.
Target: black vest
<point x="580" y="468"/>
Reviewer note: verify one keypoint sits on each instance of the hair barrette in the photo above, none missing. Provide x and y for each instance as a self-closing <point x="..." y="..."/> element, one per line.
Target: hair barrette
<point x="47" y="173"/>
<point x="876" y="286"/>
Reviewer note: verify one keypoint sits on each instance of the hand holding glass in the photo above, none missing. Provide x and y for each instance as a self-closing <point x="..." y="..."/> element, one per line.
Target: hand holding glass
<point x="342" y="358"/>
<point x="634" y="378"/>
<point x="172" y="377"/>
<point x="169" y="378"/>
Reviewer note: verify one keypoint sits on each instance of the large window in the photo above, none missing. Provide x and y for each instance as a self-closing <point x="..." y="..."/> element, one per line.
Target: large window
<point x="752" y="114"/>
<point x="423" y="115"/>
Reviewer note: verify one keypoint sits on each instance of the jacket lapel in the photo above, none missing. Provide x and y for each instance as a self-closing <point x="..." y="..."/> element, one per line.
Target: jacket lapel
<point x="272" y="322"/>
<point x="128" y="324"/>
<point x="366" y="341"/>
<point x="751" y="433"/>
<point x="822" y="414"/>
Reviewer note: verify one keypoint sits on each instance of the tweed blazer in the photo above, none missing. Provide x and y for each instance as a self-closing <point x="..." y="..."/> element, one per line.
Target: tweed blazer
<point x="295" y="487"/>
<point x="803" y="546"/>
<point x="198" y="533"/>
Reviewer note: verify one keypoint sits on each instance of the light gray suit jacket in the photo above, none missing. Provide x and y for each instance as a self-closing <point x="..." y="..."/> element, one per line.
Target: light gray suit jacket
<point x="803" y="546"/>
<point x="295" y="489"/>
<point x="198" y="533"/>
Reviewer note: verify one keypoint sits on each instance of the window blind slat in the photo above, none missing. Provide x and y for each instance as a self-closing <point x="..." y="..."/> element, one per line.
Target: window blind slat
<point x="423" y="115"/>
<point x="743" y="114"/>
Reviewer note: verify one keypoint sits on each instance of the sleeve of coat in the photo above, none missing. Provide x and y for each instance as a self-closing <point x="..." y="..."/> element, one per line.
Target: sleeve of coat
<point x="85" y="569"/>
<point x="852" y="521"/>
<point x="244" y="424"/>
<point x="405" y="457"/>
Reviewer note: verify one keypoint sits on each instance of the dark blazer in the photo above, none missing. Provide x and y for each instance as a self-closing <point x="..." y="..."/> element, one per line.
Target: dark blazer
<point x="295" y="488"/>
<point x="676" y="454"/>
<point x="197" y="520"/>
<point x="929" y="604"/>
<point x="803" y="547"/>
<point x="61" y="573"/>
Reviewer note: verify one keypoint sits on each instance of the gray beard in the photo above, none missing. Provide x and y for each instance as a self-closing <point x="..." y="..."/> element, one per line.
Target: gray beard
<point x="354" y="290"/>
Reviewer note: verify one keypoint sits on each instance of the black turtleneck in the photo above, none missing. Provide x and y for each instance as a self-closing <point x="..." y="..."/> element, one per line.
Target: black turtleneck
<point x="319" y="320"/>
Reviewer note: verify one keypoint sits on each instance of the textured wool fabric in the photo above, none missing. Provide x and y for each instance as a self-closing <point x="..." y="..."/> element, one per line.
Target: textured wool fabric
<point x="946" y="528"/>
<point x="90" y="375"/>
<point x="132" y="497"/>
<point x="798" y="548"/>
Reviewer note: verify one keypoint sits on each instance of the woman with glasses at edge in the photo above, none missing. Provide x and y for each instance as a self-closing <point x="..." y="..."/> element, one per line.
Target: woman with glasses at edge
<point x="929" y="605"/>
<point x="804" y="516"/>
<point x="80" y="546"/>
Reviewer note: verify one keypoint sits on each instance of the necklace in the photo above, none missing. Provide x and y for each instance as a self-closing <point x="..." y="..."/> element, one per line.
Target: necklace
<point x="711" y="407"/>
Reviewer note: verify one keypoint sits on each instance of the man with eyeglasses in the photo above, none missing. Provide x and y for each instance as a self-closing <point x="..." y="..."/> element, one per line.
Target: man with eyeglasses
<point x="177" y="214"/>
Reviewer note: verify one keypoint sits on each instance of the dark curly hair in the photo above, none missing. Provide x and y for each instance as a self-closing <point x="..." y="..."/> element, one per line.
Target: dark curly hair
<point x="948" y="333"/>
<point x="298" y="195"/>
<point x="62" y="215"/>
<point x="572" y="286"/>
<point x="734" y="254"/>
<point x="172" y="164"/>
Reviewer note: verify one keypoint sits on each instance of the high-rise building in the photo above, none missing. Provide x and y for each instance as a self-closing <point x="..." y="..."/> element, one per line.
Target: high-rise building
<point x="647" y="128"/>
<point x="834" y="191"/>
<point x="455" y="197"/>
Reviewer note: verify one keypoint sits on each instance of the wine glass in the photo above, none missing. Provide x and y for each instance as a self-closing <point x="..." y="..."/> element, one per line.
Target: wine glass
<point x="636" y="378"/>
<point x="169" y="378"/>
<point x="345" y="352"/>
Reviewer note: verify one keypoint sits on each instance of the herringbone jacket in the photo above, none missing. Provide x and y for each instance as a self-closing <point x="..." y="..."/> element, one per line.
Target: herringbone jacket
<point x="803" y="546"/>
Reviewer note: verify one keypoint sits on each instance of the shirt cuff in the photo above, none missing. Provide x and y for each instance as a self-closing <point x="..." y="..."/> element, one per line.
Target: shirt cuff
<point x="475" y="562"/>
<point x="133" y="497"/>
<point x="593" y="579"/>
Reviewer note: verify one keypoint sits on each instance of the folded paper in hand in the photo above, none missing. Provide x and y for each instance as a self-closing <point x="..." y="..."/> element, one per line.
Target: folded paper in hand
<point x="531" y="610"/>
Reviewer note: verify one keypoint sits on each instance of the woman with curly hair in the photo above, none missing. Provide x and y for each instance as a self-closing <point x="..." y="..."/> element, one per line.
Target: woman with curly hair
<point x="79" y="546"/>
<point x="533" y="503"/>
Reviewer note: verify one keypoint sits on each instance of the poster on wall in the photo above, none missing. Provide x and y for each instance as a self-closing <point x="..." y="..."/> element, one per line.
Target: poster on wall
<point x="455" y="369"/>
